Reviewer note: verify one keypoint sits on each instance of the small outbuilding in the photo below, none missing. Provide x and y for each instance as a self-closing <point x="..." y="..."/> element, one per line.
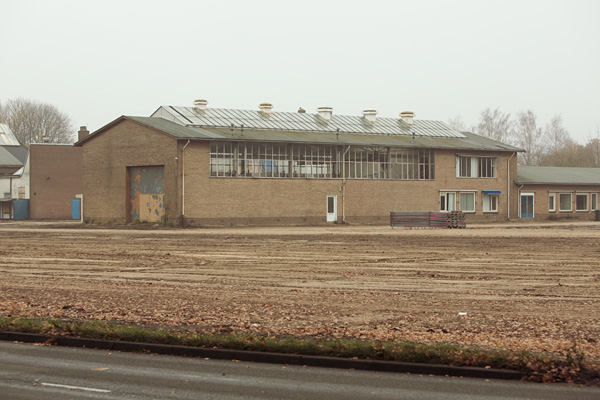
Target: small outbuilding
<point x="14" y="176"/>
<point x="554" y="193"/>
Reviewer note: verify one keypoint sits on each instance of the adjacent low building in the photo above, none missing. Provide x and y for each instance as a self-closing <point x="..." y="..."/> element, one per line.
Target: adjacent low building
<point x="55" y="179"/>
<point x="558" y="192"/>
<point x="206" y="166"/>
<point x="14" y="176"/>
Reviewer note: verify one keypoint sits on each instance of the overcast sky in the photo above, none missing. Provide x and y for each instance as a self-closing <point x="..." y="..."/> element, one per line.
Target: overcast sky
<point x="99" y="60"/>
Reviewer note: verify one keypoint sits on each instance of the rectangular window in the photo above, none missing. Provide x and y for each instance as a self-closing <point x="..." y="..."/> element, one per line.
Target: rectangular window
<point x="552" y="202"/>
<point x="581" y="202"/>
<point x="490" y="203"/>
<point x="476" y="167"/>
<point x="565" y="202"/>
<point x="466" y="201"/>
<point x="448" y="201"/>
<point x="283" y="160"/>
<point x="594" y="201"/>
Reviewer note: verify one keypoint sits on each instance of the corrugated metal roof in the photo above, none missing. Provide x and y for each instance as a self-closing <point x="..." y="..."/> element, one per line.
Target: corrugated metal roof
<point x="469" y="141"/>
<point x="7" y="137"/>
<point x="558" y="176"/>
<point x="305" y="122"/>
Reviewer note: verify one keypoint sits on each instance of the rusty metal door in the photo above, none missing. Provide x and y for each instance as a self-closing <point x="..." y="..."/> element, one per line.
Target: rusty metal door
<point x="146" y="194"/>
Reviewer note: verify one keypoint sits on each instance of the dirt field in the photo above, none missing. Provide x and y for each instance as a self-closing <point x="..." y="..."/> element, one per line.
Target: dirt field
<point x="534" y="287"/>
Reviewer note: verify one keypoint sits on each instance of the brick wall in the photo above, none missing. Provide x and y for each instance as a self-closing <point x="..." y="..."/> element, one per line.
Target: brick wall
<point x="541" y="203"/>
<point x="235" y="201"/>
<point x="105" y="161"/>
<point x="219" y="201"/>
<point x="55" y="179"/>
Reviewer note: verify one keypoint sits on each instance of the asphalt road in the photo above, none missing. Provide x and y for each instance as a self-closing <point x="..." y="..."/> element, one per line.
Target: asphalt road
<point x="46" y="372"/>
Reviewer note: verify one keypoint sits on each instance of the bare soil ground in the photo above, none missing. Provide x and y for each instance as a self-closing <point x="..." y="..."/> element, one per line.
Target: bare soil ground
<point x="522" y="286"/>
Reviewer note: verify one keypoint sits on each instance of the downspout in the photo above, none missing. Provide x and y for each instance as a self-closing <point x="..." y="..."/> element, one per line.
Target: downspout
<point x="344" y="185"/>
<point x="519" y="195"/>
<point x="12" y="206"/>
<point x="508" y="186"/>
<point x="183" y="181"/>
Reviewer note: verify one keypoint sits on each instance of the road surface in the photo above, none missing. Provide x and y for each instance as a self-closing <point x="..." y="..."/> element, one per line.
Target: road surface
<point x="30" y="372"/>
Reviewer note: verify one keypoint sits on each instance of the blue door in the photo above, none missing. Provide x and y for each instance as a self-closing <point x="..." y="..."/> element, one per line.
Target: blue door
<point x="527" y="206"/>
<point x="76" y="209"/>
<point x="21" y="209"/>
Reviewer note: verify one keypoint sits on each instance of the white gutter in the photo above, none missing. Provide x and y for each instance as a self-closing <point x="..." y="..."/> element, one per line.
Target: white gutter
<point x="519" y="192"/>
<point x="183" y="181"/>
<point x="344" y="185"/>
<point x="80" y="197"/>
<point x="508" y="186"/>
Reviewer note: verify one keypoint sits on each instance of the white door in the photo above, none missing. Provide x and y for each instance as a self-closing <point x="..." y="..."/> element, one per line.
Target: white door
<point x="331" y="208"/>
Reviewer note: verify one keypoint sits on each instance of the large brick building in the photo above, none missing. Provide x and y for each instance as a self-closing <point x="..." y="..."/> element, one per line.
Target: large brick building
<point x="205" y="166"/>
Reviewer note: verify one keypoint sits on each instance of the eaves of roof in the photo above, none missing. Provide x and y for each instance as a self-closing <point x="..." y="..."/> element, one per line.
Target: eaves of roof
<point x="159" y="124"/>
<point x="7" y="159"/>
<point x="469" y="141"/>
<point x="562" y="176"/>
<point x="19" y="152"/>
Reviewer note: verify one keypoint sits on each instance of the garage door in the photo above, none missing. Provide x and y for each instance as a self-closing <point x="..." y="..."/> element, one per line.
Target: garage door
<point x="146" y="194"/>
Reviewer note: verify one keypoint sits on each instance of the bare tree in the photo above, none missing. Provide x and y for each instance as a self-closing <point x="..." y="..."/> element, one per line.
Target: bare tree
<point x="529" y="137"/>
<point x="36" y="122"/>
<point x="571" y="154"/>
<point x="593" y="147"/>
<point x="496" y="125"/>
<point x="457" y="123"/>
<point x="556" y="136"/>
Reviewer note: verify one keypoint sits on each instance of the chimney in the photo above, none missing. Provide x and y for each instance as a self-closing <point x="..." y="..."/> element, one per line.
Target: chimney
<point x="266" y="107"/>
<point x="370" y="115"/>
<point x="407" y="116"/>
<point x="82" y="133"/>
<point x="325" y="112"/>
<point x="200" y="104"/>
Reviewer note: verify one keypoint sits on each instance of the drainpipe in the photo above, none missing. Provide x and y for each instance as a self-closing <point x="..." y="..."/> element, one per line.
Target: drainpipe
<point x="12" y="206"/>
<point x="344" y="185"/>
<point x="519" y="196"/>
<point x="508" y="186"/>
<point x="183" y="181"/>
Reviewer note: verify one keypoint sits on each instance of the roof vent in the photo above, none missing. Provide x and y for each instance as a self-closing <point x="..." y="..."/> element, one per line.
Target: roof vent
<point x="200" y="104"/>
<point x="407" y="116"/>
<point x="266" y="107"/>
<point x="325" y="112"/>
<point x="370" y="115"/>
<point x="301" y="110"/>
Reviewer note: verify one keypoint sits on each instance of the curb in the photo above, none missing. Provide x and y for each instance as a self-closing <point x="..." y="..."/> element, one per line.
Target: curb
<point x="264" y="357"/>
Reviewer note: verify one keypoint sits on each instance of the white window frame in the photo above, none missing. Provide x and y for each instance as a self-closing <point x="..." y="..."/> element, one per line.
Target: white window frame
<point x="460" y="205"/>
<point x="447" y="202"/>
<point x="587" y="199"/>
<point x="553" y="197"/>
<point x="487" y="203"/>
<point x="472" y="166"/>
<point x="570" y="209"/>
<point x="593" y="201"/>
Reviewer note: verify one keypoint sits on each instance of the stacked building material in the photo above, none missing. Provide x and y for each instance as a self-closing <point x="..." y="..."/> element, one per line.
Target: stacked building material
<point x="456" y="219"/>
<point x="418" y="219"/>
